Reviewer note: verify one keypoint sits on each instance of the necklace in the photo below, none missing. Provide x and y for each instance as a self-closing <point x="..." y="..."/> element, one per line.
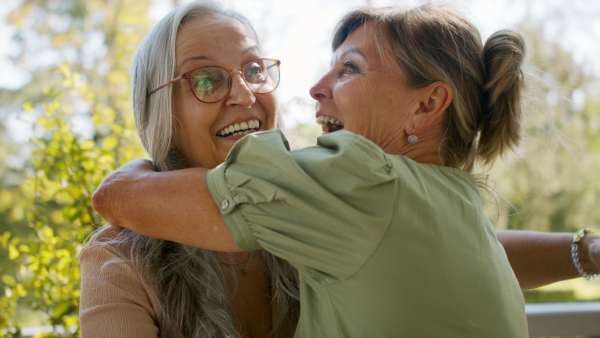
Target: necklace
<point x="235" y="264"/>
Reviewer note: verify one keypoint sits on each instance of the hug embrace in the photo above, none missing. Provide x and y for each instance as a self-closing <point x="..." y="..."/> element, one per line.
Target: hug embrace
<point x="376" y="231"/>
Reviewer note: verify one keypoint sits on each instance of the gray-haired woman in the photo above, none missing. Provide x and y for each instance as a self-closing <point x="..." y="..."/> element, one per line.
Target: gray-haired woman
<point x="137" y="286"/>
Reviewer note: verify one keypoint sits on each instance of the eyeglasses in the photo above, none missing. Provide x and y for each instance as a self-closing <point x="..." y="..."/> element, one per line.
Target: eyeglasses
<point x="213" y="83"/>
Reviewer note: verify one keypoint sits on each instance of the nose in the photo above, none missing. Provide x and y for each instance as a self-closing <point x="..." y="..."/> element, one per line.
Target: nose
<point x="322" y="89"/>
<point x="240" y="94"/>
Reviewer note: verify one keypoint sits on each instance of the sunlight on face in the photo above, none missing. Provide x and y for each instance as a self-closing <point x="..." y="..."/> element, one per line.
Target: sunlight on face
<point x="206" y="131"/>
<point x="364" y="93"/>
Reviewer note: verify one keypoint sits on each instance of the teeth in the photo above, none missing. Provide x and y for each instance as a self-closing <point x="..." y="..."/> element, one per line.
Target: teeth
<point x="242" y="128"/>
<point x="328" y="121"/>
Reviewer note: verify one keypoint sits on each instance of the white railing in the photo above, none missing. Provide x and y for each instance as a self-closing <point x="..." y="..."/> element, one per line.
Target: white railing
<point x="564" y="319"/>
<point x="545" y="320"/>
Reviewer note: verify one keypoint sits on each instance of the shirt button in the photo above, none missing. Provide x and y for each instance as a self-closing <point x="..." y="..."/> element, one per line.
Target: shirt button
<point x="225" y="204"/>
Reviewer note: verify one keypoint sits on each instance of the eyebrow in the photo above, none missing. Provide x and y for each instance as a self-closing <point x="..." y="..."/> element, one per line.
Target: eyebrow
<point x="208" y="58"/>
<point x="351" y="50"/>
<point x="196" y="58"/>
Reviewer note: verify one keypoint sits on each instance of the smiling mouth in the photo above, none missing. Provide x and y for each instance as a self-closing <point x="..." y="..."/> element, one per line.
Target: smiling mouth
<point x="329" y="124"/>
<point x="240" y="129"/>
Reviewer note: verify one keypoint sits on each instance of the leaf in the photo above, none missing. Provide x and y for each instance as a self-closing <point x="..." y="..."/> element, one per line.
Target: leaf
<point x="20" y="290"/>
<point x="110" y="142"/>
<point x="88" y="145"/>
<point x="28" y="107"/>
<point x="47" y="232"/>
<point x="13" y="253"/>
<point x="24" y="248"/>
<point x="4" y="239"/>
<point x="60" y="310"/>
<point x="46" y="335"/>
<point x="9" y="280"/>
<point x="65" y="70"/>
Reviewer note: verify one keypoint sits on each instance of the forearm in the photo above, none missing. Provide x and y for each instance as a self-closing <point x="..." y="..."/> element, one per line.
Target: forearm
<point x="175" y="206"/>
<point x="540" y="258"/>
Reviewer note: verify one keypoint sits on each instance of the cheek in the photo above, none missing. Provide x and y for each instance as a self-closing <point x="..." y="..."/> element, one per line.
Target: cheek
<point x="371" y="91"/>
<point x="269" y="105"/>
<point x="362" y="94"/>
<point x="192" y="124"/>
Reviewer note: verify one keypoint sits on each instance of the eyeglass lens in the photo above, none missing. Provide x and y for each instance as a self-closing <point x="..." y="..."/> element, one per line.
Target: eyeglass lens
<point x="211" y="84"/>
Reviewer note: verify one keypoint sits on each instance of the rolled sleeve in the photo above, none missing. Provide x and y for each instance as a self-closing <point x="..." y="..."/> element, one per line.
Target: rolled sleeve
<point x="320" y="208"/>
<point x="235" y="221"/>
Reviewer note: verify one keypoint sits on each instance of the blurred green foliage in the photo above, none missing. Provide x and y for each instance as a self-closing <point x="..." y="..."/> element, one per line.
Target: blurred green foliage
<point x="82" y="125"/>
<point x="83" y="129"/>
<point x="553" y="184"/>
<point x="538" y="296"/>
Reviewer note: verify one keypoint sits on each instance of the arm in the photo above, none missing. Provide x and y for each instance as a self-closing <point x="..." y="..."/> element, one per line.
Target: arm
<point x="273" y="198"/>
<point x="137" y="197"/>
<point x="115" y="300"/>
<point x="146" y="202"/>
<point x="539" y="258"/>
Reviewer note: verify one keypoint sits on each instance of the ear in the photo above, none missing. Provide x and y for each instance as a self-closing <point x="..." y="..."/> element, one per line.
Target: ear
<point x="435" y="99"/>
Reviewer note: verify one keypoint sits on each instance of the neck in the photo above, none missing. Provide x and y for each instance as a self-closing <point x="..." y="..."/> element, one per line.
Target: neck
<point x="426" y="150"/>
<point x="422" y="155"/>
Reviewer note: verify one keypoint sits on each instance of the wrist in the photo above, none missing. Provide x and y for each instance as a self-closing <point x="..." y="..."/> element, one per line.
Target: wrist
<point x="585" y="257"/>
<point x="580" y="253"/>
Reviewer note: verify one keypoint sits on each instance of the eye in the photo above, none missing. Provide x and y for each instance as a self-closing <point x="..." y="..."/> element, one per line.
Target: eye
<point x="350" y="67"/>
<point x="255" y="73"/>
<point x="208" y="81"/>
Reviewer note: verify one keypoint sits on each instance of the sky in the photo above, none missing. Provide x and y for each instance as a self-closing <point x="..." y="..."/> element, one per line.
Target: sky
<point x="12" y="77"/>
<point x="299" y="33"/>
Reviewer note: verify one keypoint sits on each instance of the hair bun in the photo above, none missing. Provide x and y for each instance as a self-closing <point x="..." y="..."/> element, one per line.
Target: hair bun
<point x="501" y="130"/>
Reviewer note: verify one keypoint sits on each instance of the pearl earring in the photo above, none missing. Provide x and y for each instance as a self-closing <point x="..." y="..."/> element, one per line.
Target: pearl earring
<point x="412" y="139"/>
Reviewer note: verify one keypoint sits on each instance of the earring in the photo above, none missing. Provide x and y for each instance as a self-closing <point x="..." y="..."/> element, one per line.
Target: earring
<point x="412" y="139"/>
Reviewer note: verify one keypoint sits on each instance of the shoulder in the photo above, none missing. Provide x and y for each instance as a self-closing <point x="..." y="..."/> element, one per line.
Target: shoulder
<point x="108" y="252"/>
<point x="109" y="239"/>
<point x="106" y="266"/>
<point x="344" y="150"/>
<point x="436" y="174"/>
<point x="117" y="299"/>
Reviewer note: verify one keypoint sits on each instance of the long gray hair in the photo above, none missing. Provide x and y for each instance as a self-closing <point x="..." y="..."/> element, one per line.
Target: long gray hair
<point x="192" y="289"/>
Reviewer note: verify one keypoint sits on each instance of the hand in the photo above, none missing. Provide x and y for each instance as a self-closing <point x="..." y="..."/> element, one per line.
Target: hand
<point x="105" y="198"/>
<point x="166" y="205"/>
<point x="591" y="243"/>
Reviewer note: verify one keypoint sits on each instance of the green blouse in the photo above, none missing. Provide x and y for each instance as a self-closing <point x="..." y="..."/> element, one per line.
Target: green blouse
<point x="384" y="246"/>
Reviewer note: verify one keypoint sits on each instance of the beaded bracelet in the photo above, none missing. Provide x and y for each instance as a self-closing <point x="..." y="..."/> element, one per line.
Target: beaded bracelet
<point x="575" y="255"/>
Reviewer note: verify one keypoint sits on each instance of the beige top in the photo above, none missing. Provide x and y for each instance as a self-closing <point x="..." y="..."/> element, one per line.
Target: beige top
<point x="115" y="300"/>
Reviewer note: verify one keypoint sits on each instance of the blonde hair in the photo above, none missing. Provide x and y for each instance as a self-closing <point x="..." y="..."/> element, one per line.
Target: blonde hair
<point x="435" y="43"/>
<point x="192" y="288"/>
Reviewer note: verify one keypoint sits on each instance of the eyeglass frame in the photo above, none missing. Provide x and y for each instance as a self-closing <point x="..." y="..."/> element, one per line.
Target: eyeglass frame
<point x="186" y="75"/>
